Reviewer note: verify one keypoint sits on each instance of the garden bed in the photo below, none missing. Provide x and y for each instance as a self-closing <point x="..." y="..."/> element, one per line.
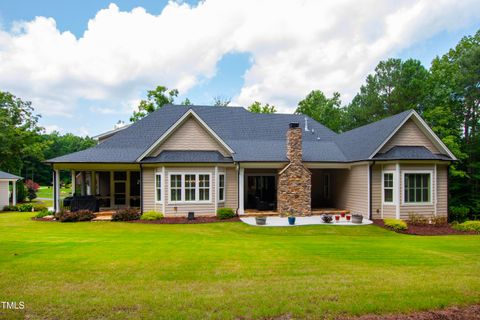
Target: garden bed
<point x="452" y="313"/>
<point x="183" y="220"/>
<point x="427" y="230"/>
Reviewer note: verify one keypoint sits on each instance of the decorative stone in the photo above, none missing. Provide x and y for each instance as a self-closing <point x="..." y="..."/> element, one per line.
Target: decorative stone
<point x="294" y="181"/>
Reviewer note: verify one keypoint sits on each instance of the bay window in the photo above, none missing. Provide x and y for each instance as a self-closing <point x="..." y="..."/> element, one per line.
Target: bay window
<point x="417" y="187"/>
<point x="388" y="187"/>
<point x="189" y="187"/>
<point x="158" y="187"/>
<point x="176" y="187"/>
<point x="221" y="187"/>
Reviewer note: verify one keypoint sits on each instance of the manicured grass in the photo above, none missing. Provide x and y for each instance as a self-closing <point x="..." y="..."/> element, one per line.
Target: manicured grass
<point x="47" y="192"/>
<point x="228" y="270"/>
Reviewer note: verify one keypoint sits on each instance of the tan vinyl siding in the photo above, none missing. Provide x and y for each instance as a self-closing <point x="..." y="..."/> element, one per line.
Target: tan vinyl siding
<point x="409" y="135"/>
<point x="388" y="210"/>
<point x="351" y="187"/>
<point x="148" y="180"/>
<point x="190" y="136"/>
<point x="4" y="191"/>
<point x="442" y="185"/>
<point x="231" y="199"/>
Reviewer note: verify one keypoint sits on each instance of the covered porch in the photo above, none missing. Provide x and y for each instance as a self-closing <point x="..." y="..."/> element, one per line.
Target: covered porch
<point x="327" y="191"/>
<point x="111" y="186"/>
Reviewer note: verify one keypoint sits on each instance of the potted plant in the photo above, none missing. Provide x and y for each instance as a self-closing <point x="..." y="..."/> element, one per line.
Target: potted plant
<point x="357" y="218"/>
<point x="291" y="218"/>
<point x="348" y="217"/>
<point x="342" y="214"/>
<point x="327" y="218"/>
<point x="261" y="221"/>
<point x="337" y="218"/>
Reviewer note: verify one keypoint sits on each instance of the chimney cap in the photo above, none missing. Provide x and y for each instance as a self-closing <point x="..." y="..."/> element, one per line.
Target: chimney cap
<point x="294" y="125"/>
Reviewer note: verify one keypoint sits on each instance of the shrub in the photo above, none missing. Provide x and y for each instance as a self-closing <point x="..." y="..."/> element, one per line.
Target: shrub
<point x="439" y="221"/>
<point x="468" y="226"/>
<point x="21" y="191"/>
<point x="327" y="218"/>
<point x="225" y="213"/>
<point x="39" y="207"/>
<point x="80" y="215"/>
<point x="32" y="188"/>
<point x="127" y="214"/>
<point x="25" y="207"/>
<point x="10" y="208"/>
<point x="152" y="215"/>
<point x="395" y="224"/>
<point x="43" y="214"/>
<point x="417" y="219"/>
<point x="458" y="213"/>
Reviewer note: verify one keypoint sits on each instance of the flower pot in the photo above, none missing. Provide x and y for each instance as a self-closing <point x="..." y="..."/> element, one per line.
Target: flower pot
<point x="357" y="218"/>
<point x="337" y="218"/>
<point x="342" y="214"/>
<point x="291" y="221"/>
<point x="261" y="221"/>
<point x="348" y="218"/>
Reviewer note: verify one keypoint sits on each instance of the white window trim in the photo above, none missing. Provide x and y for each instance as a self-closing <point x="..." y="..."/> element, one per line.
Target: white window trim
<point x="197" y="193"/>
<point x="394" y="202"/>
<point x="224" y="187"/>
<point x="161" y="189"/>
<point x="430" y="203"/>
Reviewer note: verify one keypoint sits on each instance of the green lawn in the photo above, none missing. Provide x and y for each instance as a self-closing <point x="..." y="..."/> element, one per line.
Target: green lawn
<point x="228" y="270"/>
<point x="47" y="192"/>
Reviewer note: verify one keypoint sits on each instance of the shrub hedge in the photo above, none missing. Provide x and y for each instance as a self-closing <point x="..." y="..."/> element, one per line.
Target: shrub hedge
<point x="458" y="213"/>
<point x="396" y="224"/>
<point x="225" y="213"/>
<point x="127" y="214"/>
<point x="80" y="215"/>
<point x="468" y="226"/>
<point x="151" y="215"/>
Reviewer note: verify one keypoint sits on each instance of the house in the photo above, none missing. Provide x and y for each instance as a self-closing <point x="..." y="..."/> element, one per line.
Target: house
<point x="7" y="197"/>
<point x="201" y="158"/>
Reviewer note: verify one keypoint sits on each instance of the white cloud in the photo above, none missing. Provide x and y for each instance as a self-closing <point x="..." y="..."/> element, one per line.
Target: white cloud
<point x="296" y="46"/>
<point x="52" y="128"/>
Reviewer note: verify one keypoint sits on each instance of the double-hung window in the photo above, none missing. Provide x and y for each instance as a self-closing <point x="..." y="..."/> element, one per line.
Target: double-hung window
<point x="204" y="187"/>
<point x="190" y="187"/>
<point x="221" y="187"/>
<point x="176" y="187"/>
<point x="158" y="187"/>
<point x="417" y="187"/>
<point x="388" y="187"/>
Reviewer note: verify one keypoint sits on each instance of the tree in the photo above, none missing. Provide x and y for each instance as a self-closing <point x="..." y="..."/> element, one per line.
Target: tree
<point x="156" y="99"/>
<point x="257" y="107"/>
<point x="220" y="101"/>
<point x="32" y="189"/>
<point x="19" y="133"/>
<point x="327" y="111"/>
<point x="186" y="102"/>
<point x="395" y="86"/>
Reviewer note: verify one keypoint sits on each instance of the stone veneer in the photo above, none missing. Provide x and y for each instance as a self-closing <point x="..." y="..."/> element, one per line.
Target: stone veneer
<point x="294" y="181"/>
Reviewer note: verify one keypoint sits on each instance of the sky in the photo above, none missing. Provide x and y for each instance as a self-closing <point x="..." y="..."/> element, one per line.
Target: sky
<point x="86" y="64"/>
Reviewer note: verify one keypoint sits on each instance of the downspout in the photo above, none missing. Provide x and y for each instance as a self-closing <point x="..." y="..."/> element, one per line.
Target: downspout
<point x="448" y="190"/>
<point x="370" y="190"/>
<point x="238" y="186"/>
<point x="141" y="189"/>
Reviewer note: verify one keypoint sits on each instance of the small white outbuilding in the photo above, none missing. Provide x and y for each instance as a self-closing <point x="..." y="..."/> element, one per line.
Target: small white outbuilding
<point x="5" y="193"/>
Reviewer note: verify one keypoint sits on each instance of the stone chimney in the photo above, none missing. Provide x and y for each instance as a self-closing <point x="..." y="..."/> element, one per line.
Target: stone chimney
<point x="294" y="181"/>
<point x="294" y="142"/>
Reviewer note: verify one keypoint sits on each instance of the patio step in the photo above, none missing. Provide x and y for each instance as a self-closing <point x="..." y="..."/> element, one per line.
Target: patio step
<point x="102" y="218"/>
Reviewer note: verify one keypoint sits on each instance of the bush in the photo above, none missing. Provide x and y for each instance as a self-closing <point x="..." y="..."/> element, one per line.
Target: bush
<point x="25" y="207"/>
<point x="468" y="226"/>
<point x="225" y="213"/>
<point x="21" y="191"/>
<point x="439" y="221"/>
<point x="417" y="219"/>
<point x="152" y="215"/>
<point x="459" y="214"/>
<point x="43" y="214"/>
<point x="39" y="207"/>
<point x="80" y="215"/>
<point x="127" y="214"/>
<point x="395" y="224"/>
<point x="10" y="208"/>
<point x="32" y="188"/>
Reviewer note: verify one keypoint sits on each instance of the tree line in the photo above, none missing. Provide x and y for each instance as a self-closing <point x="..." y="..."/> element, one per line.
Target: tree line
<point x="446" y="95"/>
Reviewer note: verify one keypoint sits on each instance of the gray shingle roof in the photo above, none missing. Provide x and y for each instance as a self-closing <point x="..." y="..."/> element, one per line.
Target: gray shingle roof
<point x="179" y="156"/>
<point x="410" y="153"/>
<point x="252" y="136"/>
<point x="8" y="176"/>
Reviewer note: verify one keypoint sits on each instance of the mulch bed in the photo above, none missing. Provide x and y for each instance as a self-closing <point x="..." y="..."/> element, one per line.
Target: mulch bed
<point x="451" y="313"/>
<point x="427" y="230"/>
<point x="183" y="220"/>
<point x="43" y="219"/>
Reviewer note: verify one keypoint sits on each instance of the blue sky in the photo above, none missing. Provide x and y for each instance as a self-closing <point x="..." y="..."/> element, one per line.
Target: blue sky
<point x="272" y="59"/>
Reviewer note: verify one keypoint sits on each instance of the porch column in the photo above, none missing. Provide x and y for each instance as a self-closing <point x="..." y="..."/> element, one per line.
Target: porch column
<point x="241" y="190"/>
<point x="93" y="183"/>
<point x="74" y="182"/>
<point x="56" y="190"/>
<point x="14" y="193"/>
<point x="215" y="195"/>
<point x="399" y="192"/>
<point x="84" y="184"/>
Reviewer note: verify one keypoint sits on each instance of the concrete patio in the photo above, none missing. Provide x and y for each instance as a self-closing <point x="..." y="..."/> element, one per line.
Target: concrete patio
<point x="301" y="221"/>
